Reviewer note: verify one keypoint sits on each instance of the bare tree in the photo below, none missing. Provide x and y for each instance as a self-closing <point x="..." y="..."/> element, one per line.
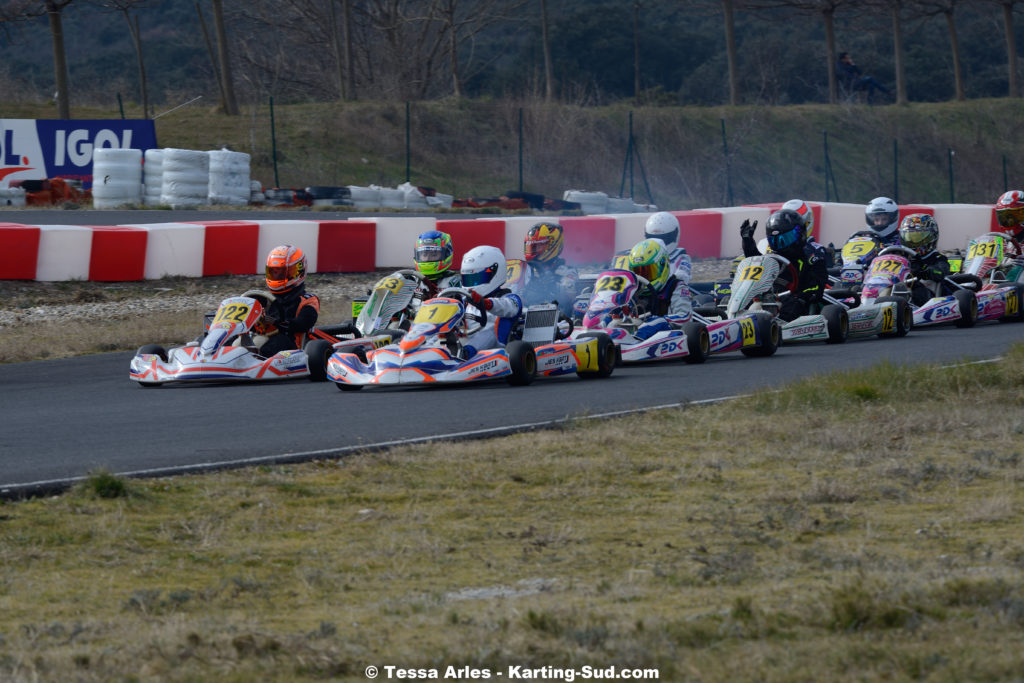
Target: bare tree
<point x="732" y="55"/>
<point x="1011" y="47"/>
<point x="224" y="58"/>
<point x="947" y="8"/>
<point x="125" y="7"/>
<point x="19" y="11"/>
<point x="549" y="75"/>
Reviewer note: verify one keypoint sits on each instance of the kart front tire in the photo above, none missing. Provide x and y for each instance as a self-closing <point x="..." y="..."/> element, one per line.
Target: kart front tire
<point x="904" y="316"/>
<point x="342" y="386"/>
<point x="837" y="322"/>
<point x="770" y="332"/>
<point x="396" y="333"/>
<point x="318" y="352"/>
<point x="698" y="342"/>
<point x="968" y="303"/>
<point x="606" y="356"/>
<point x="523" y="361"/>
<point x="154" y="349"/>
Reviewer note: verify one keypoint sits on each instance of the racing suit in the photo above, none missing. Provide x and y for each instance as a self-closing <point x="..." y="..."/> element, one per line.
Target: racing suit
<point x="930" y="269"/>
<point x="669" y="306"/>
<point x="293" y="314"/>
<point x="552" y="281"/>
<point x="1013" y="263"/>
<point x="809" y="261"/>
<point x="505" y="309"/>
<point x="445" y="280"/>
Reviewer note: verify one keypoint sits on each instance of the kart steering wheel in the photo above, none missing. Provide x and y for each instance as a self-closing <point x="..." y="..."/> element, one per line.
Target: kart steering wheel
<point x="263" y="326"/>
<point x="463" y="295"/>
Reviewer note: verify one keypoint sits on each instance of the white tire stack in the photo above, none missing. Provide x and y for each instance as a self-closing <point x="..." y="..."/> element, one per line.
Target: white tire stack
<point x="116" y="177"/>
<point x="229" y="178"/>
<point x="186" y="178"/>
<point x="12" y="196"/>
<point x="590" y="202"/>
<point x="152" y="177"/>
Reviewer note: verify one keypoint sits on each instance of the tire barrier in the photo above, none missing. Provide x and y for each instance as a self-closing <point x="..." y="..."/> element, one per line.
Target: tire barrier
<point x="186" y="178"/>
<point x="117" y="177"/>
<point x="12" y="196"/>
<point x="362" y="244"/>
<point x="153" y="177"/>
<point x="229" y="178"/>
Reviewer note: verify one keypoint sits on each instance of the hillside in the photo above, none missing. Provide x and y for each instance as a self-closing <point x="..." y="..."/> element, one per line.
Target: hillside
<point x="470" y="148"/>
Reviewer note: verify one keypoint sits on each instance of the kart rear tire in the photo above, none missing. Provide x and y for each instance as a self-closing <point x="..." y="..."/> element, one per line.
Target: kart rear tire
<point x="154" y="349"/>
<point x="698" y="342"/>
<point x="606" y="356"/>
<point x="968" y="302"/>
<point x="318" y="352"/>
<point x="904" y="316"/>
<point x="348" y="387"/>
<point x="770" y="331"/>
<point x="522" y="359"/>
<point x="837" y="322"/>
<point x="1018" y="293"/>
<point x="396" y="333"/>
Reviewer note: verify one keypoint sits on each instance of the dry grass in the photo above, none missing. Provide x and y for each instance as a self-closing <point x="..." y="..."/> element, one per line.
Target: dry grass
<point x="659" y="541"/>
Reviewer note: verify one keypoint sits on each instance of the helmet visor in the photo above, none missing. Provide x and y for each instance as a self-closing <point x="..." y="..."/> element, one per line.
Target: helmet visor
<point x="648" y="271"/>
<point x="1010" y="218"/>
<point x="786" y="239"/>
<point x="881" y="219"/>
<point x="278" y="273"/>
<point x="535" y="247"/>
<point x="917" y="239"/>
<point x="429" y="254"/>
<point x="481" y="277"/>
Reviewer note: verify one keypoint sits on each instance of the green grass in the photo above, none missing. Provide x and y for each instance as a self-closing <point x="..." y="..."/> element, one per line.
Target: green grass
<point x="657" y="541"/>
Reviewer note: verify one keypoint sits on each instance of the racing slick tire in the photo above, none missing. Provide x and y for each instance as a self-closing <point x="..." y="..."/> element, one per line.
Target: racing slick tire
<point x="156" y="350"/>
<point x="770" y="331"/>
<point x="698" y="342"/>
<point x="837" y="322"/>
<point x="318" y="352"/>
<point x="396" y="333"/>
<point x="904" y="316"/>
<point x="1014" y="304"/>
<point x="968" y="302"/>
<point x="607" y="355"/>
<point x="522" y="359"/>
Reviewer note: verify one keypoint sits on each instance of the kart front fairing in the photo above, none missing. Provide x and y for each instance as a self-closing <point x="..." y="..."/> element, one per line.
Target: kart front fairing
<point x="427" y="353"/>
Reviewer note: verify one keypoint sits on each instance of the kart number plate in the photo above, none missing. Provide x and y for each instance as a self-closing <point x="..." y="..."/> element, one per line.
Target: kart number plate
<point x="620" y="262"/>
<point x="391" y="284"/>
<point x="752" y="274"/>
<point x="986" y="249"/>
<point x="232" y="313"/>
<point x="888" y="318"/>
<point x="435" y="313"/>
<point x="886" y="265"/>
<point x="611" y="283"/>
<point x="748" y="331"/>
<point x="858" y="248"/>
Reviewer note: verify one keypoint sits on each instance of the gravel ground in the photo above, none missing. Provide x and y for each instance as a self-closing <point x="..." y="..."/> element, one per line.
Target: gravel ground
<point x="27" y="302"/>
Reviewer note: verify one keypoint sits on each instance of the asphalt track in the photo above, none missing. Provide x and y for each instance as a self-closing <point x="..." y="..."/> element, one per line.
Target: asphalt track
<point x="62" y="419"/>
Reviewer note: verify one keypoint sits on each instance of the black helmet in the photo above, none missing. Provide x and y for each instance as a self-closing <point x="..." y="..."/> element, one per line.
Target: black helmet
<point x="785" y="229"/>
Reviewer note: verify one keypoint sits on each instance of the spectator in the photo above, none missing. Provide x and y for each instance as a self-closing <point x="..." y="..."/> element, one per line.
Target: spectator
<point x="852" y="79"/>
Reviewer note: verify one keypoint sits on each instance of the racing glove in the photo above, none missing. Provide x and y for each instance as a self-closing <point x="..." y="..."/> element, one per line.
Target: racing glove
<point x="747" y="229"/>
<point x="283" y="326"/>
<point x="481" y="302"/>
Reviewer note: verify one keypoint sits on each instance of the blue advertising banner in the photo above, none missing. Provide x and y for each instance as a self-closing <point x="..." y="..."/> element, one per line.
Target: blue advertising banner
<point x="33" y="149"/>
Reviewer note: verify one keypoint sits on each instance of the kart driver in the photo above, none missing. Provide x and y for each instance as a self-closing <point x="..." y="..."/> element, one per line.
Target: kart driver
<point x="483" y="273"/>
<point x="665" y="227"/>
<point x="883" y="216"/>
<point x="665" y="299"/>
<point x="433" y="257"/>
<point x="787" y="237"/>
<point x="551" y="279"/>
<point x="1010" y="216"/>
<point x="293" y="311"/>
<point x="920" y="232"/>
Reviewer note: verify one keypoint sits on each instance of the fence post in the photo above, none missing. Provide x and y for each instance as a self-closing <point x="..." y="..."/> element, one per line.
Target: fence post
<point x="952" y="194"/>
<point x="520" y="149"/>
<point x="273" y="142"/>
<point x="408" y="135"/>
<point x="728" y="167"/>
<point x="896" y="170"/>
<point x="1006" y="184"/>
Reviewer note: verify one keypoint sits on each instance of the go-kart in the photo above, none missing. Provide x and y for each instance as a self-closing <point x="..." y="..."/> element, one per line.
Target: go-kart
<point x="889" y="276"/>
<point x="228" y="349"/>
<point x="433" y="351"/>
<point x="998" y="298"/>
<point x="391" y="304"/>
<point x="612" y="308"/>
<point x="756" y="294"/>
<point x="856" y="255"/>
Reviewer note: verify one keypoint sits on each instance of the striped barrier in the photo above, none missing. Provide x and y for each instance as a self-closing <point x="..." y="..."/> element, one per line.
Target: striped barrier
<point x="233" y="247"/>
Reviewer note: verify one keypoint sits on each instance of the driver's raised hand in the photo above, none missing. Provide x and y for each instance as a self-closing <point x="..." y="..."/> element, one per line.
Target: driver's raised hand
<point x="747" y="228"/>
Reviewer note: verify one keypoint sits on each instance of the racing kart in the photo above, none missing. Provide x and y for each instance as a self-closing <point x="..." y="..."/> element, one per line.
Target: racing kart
<point x="391" y="304"/>
<point x="433" y="351"/>
<point x="889" y="276"/>
<point x="856" y="255"/>
<point x="228" y="349"/>
<point x="998" y="298"/>
<point x="756" y="293"/>
<point x="612" y="308"/>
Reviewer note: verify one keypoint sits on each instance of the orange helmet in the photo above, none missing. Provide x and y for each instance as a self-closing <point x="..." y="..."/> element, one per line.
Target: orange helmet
<point x="286" y="268"/>
<point x="543" y="242"/>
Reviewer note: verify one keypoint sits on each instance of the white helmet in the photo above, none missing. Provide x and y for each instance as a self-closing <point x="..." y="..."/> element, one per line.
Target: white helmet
<point x="883" y="216"/>
<point x="665" y="227"/>
<point x="801" y="207"/>
<point x="483" y="270"/>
